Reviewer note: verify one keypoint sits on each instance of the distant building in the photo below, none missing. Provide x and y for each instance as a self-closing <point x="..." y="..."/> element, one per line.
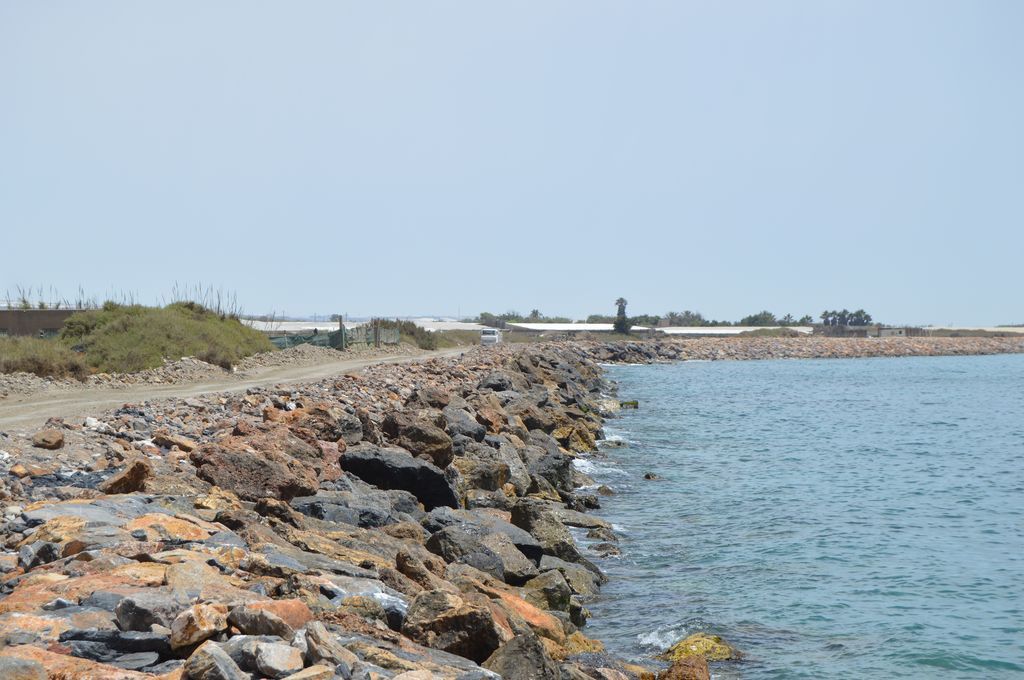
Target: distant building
<point x="34" y="322"/>
<point x="565" y="328"/>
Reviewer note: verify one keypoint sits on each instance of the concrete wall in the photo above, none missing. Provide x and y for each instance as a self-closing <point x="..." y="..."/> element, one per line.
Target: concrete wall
<point x="33" y="321"/>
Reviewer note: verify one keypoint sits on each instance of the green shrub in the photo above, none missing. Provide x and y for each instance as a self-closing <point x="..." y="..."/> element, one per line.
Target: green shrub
<point x="409" y="331"/>
<point x="126" y="338"/>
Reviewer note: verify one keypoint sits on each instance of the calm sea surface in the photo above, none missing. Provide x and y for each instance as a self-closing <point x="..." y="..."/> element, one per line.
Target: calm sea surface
<point x="833" y="519"/>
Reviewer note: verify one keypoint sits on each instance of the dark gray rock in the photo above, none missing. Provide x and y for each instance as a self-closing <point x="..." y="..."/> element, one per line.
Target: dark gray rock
<point x="136" y="660"/>
<point x="121" y="641"/>
<point x="548" y="591"/>
<point x="523" y="658"/>
<point x="461" y="423"/>
<point x="416" y="434"/>
<point x="141" y="610"/>
<point x="210" y="662"/>
<point x="395" y="469"/>
<point x="443" y="517"/>
<point x="537" y="517"/>
<point x="37" y="553"/>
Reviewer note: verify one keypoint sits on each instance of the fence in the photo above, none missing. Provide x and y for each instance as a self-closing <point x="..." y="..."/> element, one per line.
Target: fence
<point x="369" y="334"/>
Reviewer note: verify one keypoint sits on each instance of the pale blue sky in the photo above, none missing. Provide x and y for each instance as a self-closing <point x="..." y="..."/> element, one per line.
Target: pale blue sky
<point x="429" y="157"/>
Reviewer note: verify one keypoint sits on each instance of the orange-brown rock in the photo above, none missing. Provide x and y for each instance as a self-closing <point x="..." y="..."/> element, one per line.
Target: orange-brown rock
<point x="50" y="438"/>
<point x="690" y="668"/>
<point x="198" y="623"/>
<point x="293" y="612"/>
<point x="63" y="667"/>
<point x="129" y="480"/>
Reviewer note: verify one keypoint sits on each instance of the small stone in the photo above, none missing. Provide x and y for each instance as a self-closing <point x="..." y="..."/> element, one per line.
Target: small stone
<point x="132" y="478"/>
<point x="168" y="440"/>
<point x="48" y="439"/>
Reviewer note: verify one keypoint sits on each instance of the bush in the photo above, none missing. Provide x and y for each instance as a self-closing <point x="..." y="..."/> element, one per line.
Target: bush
<point x="126" y="338"/>
<point x="43" y="357"/>
<point x="420" y="337"/>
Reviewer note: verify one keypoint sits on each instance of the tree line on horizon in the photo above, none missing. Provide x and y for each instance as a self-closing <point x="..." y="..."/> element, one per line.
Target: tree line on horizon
<point x="684" y="318"/>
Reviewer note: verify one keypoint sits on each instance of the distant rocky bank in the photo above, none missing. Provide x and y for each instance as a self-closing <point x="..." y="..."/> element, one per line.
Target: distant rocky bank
<point x="413" y="521"/>
<point x="811" y="347"/>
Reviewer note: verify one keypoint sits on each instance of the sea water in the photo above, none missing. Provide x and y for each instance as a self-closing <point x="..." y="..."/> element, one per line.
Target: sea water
<point x="855" y="518"/>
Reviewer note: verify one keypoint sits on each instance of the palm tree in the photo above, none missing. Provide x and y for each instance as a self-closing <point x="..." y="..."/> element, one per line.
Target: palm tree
<point x="621" y="322"/>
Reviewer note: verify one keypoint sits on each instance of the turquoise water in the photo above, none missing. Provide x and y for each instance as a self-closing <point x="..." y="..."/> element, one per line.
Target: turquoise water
<point x="833" y="519"/>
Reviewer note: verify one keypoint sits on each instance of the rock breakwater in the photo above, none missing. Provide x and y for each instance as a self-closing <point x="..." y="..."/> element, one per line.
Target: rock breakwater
<point x="408" y="522"/>
<point x="754" y="348"/>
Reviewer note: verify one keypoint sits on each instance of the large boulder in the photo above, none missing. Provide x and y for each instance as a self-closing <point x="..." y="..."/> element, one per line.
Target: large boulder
<point x="538" y="518"/>
<point x="523" y="658"/>
<point x="548" y="591"/>
<point x="210" y="662"/>
<point x="688" y="668"/>
<point x="556" y="468"/>
<point x="388" y="468"/>
<point x="330" y="423"/>
<point x="252" y="474"/>
<point x="708" y="647"/>
<point x="460" y="422"/>
<point x="523" y="541"/>
<point x="490" y="551"/>
<point x="418" y="436"/>
<point x="446" y="621"/>
<point x="198" y="623"/>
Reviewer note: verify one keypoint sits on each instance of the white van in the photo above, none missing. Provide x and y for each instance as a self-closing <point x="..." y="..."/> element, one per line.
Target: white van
<point x="490" y="336"/>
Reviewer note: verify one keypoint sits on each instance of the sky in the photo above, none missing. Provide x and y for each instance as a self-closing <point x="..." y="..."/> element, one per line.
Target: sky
<point x="447" y="158"/>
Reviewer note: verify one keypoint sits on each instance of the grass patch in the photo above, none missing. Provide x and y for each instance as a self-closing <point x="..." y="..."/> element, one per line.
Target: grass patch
<point x="43" y="357"/>
<point x="126" y="338"/>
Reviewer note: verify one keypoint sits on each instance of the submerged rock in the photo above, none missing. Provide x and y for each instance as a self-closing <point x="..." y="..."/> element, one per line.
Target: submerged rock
<point x="709" y="647"/>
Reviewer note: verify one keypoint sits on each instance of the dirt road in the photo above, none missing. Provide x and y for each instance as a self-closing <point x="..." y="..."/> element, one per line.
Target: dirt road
<point x="25" y="412"/>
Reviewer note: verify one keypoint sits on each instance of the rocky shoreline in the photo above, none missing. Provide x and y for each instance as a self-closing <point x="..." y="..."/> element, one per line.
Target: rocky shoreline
<point x="408" y="522"/>
<point x="412" y="521"/>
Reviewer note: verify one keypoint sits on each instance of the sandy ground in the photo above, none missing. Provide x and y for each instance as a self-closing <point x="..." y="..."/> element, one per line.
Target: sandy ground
<point x="33" y="410"/>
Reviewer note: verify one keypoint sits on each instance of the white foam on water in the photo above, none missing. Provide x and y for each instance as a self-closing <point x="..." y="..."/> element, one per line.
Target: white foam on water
<point x="589" y="467"/>
<point x="661" y="638"/>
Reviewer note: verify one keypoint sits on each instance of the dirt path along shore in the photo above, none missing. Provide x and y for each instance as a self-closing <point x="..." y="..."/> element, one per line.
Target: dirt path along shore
<point x="17" y="412"/>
